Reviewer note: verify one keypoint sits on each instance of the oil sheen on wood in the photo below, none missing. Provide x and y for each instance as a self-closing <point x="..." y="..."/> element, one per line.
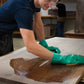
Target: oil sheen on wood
<point x="42" y="70"/>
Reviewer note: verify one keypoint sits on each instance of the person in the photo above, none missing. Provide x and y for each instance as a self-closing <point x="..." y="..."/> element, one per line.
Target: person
<point x="61" y="11"/>
<point x="25" y="16"/>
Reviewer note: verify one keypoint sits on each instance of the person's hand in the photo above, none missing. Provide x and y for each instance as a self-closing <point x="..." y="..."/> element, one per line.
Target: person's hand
<point x="54" y="8"/>
<point x="68" y="59"/>
<point x="51" y="48"/>
<point x="54" y="49"/>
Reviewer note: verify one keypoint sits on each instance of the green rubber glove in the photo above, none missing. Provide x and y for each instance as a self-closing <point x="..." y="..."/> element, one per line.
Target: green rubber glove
<point x="51" y="48"/>
<point x="68" y="59"/>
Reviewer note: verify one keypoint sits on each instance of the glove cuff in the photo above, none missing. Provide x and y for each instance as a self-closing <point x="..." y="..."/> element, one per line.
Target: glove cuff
<point x="43" y="43"/>
<point x="56" y="58"/>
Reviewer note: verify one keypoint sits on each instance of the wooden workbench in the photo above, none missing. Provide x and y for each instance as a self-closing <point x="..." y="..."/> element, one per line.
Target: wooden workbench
<point x="72" y="34"/>
<point x="55" y="17"/>
<point x="66" y="45"/>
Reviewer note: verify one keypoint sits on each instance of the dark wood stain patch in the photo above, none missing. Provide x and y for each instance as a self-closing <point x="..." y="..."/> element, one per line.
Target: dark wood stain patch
<point x="42" y="70"/>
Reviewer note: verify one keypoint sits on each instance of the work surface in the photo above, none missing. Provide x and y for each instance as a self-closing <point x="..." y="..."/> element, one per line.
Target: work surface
<point x="55" y="74"/>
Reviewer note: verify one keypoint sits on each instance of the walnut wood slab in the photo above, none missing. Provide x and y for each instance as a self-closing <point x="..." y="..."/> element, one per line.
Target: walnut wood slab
<point x="42" y="71"/>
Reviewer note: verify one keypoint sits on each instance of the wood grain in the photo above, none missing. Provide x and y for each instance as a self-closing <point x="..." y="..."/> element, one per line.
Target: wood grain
<point x="41" y="70"/>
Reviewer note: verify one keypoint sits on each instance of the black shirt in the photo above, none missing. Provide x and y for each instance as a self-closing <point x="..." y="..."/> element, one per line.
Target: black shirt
<point x="61" y="10"/>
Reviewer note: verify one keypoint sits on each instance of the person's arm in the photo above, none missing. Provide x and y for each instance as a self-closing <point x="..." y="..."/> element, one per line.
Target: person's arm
<point x="32" y="46"/>
<point x="24" y="21"/>
<point x="55" y="8"/>
<point x="38" y="26"/>
<point x="39" y="31"/>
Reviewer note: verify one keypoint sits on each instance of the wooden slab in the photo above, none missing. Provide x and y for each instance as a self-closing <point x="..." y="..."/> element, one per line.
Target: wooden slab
<point x="66" y="45"/>
<point x="43" y="71"/>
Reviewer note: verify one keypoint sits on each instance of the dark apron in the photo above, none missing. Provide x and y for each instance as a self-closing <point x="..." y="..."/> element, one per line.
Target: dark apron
<point x="6" y="43"/>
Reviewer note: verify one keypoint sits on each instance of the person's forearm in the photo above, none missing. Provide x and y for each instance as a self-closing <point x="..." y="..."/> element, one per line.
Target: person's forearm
<point x="32" y="46"/>
<point x="40" y="51"/>
<point x="39" y="30"/>
<point x="38" y="26"/>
